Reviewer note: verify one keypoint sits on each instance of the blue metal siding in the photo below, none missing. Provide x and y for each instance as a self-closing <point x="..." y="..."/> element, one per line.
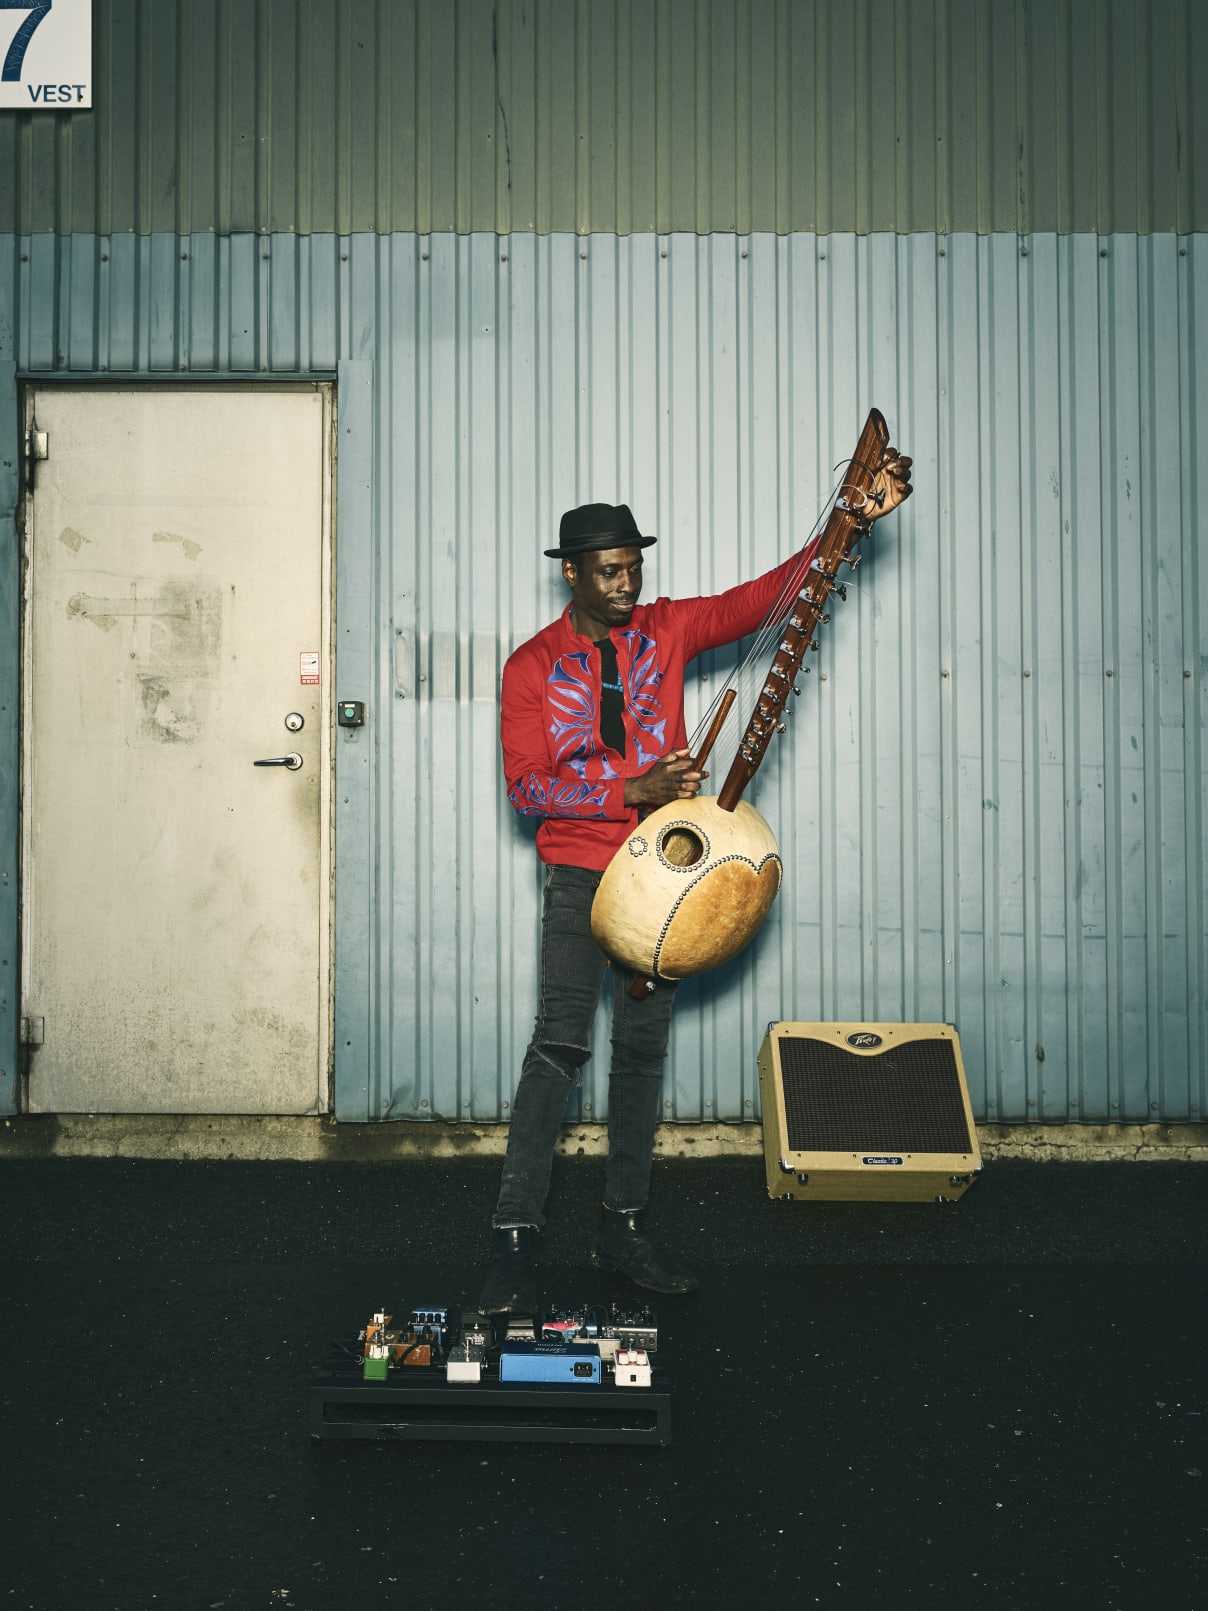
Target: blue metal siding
<point x="992" y="808"/>
<point x="10" y="740"/>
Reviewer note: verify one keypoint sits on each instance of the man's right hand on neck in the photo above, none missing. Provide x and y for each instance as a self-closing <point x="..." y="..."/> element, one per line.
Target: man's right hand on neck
<point x="670" y="778"/>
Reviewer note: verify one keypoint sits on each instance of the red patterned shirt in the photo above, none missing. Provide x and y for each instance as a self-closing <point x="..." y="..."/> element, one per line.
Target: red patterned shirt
<point x="555" y="763"/>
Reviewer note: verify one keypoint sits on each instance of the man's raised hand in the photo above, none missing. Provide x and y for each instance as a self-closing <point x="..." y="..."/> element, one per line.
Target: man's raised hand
<point x="891" y="485"/>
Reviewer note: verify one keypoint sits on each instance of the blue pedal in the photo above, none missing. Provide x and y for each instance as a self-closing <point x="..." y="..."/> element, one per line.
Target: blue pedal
<point x="566" y="1364"/>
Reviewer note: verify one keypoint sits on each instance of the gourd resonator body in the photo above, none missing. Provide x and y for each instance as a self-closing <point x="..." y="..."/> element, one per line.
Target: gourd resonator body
<point x="688" y="889"/>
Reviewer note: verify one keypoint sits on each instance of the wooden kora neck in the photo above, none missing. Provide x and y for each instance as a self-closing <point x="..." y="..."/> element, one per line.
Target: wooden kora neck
<point x="849" y="520"/>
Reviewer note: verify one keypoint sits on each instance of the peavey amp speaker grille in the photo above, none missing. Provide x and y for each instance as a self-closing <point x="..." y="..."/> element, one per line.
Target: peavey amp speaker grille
<point x="906" y="1099"/>
<point x="866" y="1111"/>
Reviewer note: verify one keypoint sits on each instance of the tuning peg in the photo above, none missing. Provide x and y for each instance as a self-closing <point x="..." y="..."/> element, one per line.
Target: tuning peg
<point x="841" y="590"/>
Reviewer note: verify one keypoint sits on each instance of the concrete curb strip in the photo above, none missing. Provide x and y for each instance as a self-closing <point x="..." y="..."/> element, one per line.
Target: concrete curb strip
<point x="316" y="1140"/>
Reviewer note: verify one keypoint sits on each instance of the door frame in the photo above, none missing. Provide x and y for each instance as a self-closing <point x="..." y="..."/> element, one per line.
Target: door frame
<point x="23" y="390"/>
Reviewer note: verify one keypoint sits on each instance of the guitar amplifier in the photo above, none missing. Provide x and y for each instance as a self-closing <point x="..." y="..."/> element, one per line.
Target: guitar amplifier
<point x="866" y="1111"/>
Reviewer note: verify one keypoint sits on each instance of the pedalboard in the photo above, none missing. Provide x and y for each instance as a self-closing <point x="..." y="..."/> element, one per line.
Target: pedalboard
<point x="585" y="1375"/>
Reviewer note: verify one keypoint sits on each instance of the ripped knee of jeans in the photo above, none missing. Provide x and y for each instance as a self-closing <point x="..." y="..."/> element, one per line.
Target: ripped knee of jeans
<point x="547" y="1057"/>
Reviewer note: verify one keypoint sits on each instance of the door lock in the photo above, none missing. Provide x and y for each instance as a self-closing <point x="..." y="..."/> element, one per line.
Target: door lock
<point x="293" y="760"/>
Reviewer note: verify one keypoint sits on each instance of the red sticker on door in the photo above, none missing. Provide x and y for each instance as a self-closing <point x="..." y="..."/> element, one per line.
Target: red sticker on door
<point x="308" y="668"/>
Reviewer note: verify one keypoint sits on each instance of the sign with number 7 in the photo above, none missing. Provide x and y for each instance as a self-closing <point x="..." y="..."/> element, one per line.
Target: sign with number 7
<point x="47" y="55"/>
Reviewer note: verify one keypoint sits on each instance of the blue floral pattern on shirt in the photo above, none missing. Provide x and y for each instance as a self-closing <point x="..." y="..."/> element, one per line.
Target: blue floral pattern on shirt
<point x="575" y="731"/>
<point x="572" y="702"/>
<point x="642" y="700"/>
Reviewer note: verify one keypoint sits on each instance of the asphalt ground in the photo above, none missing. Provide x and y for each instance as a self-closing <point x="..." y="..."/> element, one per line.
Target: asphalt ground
<point x="1000" y="1402"/>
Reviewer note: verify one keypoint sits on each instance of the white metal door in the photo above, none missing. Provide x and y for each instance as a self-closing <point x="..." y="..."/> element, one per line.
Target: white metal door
<point x="175" y="895"/>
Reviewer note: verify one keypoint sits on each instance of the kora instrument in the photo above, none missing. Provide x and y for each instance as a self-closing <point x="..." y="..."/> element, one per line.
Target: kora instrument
<point x="695" y="880"/>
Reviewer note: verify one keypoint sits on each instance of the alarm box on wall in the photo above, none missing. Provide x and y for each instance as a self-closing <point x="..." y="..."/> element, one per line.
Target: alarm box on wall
<point x="866" y="1111"/>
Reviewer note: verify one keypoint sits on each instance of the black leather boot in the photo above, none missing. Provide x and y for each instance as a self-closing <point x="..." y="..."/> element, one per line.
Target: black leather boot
<point x="511" y="1286"/>
<point x="623" y="1245"/>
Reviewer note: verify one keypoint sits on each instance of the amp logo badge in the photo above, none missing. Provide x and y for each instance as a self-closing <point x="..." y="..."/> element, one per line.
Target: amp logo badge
<point x="864" y="1040"/>
<point x="46" y="55"/>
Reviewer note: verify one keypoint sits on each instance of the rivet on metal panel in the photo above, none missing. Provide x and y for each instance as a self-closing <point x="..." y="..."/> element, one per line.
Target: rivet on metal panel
<point x="663" y="253"/>
<point x="423" y="257"/>
<point x="1109" y="672"/>
<point x="503" y="257"/>
<point x="943" y="251"/>
<point x="744" y="254"/>
<point x="1027" y="672"/>
<point x="945" y="672"/>
<point x="1023" y="251"/>
<point x="583" y="256"/>
<point x="822" y="257"/>
<point x="1103" y="251"/>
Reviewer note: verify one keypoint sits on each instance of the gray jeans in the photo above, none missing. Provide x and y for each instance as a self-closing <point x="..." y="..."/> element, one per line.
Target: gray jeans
<point x="572" y="972"/>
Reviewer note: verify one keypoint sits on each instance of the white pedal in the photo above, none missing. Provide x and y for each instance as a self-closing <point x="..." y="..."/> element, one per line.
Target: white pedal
<point x="632" y="1366"/>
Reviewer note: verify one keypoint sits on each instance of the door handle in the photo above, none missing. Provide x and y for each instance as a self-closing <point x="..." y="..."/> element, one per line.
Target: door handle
<point x="293" y="760"/>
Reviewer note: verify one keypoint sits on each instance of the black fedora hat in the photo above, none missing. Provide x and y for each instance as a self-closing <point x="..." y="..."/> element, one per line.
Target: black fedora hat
<point x="593" y="526"/>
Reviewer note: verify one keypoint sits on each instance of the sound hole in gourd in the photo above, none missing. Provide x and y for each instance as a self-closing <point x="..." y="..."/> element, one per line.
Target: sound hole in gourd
<point x="681" y="846"/>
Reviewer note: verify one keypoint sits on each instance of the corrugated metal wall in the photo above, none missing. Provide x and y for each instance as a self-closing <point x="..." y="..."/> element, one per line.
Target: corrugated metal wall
<point x="992" y="807"/>
<point x="671" y="250"/>
<point x="620" y="116"/>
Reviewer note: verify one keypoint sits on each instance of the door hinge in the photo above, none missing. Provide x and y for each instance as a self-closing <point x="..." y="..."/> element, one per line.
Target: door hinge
<point x="37" y="450"/>
<point x="33" y="1031"/>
